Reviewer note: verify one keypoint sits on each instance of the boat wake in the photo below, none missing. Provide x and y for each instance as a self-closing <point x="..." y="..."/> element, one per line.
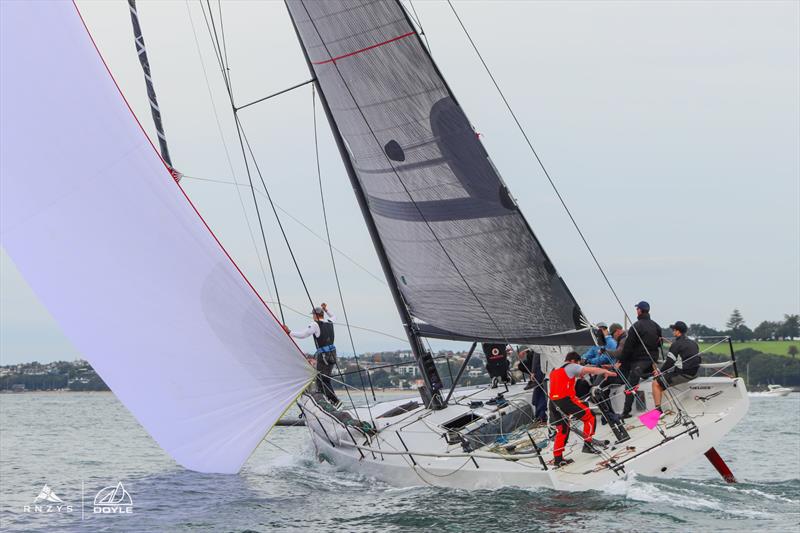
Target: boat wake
<point x="707" y="496"/>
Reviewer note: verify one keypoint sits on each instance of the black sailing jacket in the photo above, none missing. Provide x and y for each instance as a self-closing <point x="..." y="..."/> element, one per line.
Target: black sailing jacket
<point x="687" y="350"/>
<point x="650" y="334"/>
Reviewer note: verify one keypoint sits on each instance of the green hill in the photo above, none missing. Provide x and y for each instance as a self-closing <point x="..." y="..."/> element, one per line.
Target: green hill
<point x="769" y="347"/>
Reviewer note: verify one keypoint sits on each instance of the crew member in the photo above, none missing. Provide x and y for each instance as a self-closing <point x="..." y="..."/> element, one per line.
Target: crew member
<point x="619" y="335"/>
<point x="671" y="373"/>
<point x="640" y="352"/>
<point x="564" y="403"/>
<point x="532" y="362"/>
<point x="497" y="364"/>
<point x="597" y="355"/>
<point x="322" y="330"/>
<point x="524" y="365"/>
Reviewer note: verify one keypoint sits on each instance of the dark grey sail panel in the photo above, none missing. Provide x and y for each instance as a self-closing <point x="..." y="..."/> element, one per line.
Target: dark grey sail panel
<point x="464" y="258"/>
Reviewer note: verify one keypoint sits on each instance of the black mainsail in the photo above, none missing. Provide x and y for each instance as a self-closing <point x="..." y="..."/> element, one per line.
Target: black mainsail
<point x="463" y="261"/>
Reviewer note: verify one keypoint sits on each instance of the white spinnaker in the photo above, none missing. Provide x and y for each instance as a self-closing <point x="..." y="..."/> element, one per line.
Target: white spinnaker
<point x="118" y="255"/>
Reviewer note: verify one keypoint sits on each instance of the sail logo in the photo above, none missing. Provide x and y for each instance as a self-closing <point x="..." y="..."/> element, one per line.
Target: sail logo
<point x="113" y="500"/>
<point x="47" y="502"/>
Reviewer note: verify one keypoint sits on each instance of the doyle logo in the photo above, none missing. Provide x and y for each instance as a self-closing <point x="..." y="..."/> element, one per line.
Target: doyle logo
<point x="113" y="500"/>
<point x="47" y="502"/>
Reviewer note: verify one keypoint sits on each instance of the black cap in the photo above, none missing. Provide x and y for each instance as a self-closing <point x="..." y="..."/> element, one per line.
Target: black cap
<point x="644" y="306"/>
<point x="572" y="356"/>
<point x="680" y="326"/>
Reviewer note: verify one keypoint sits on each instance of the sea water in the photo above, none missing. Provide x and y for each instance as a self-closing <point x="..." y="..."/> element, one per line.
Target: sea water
<point x="80" y="444"/>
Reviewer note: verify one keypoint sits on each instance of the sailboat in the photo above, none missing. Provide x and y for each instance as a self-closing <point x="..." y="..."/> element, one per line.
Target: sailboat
<point x="460" y="259"/>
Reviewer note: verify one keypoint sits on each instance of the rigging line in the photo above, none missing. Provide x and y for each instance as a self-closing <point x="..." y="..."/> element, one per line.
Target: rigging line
<point x="293" y="87"/>
<point x="379" y="332"/>
<point x="402" y="183"/>
<point x="295" y="219"/>
<point x="215" y="43"/>
<point x="347" y="391"/>
<point x="223" y="59"/>
<point x="392" y="365"/>
<point x="546" y="173"/>
<point x="274" y="209"/>
<point x="211" y="33"/>
<point x="226" y="150"/>
<point x="330" y="248"/>
<point x="419" y="23"/>
<point x="243" y="136"/>
<point x="224" y="41"/>
<point x="538" y="159"/>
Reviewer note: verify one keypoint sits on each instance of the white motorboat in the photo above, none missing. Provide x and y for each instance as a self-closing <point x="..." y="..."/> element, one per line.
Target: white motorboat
<point x="773" y="391"/>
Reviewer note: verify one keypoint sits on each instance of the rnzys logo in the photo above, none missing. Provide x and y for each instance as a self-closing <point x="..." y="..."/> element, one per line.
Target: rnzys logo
<point x="47" y="502"/>
<point x="113" y="500"/>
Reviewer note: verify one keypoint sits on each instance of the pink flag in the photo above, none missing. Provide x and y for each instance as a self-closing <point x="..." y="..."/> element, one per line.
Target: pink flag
<point x="650" y="418"/>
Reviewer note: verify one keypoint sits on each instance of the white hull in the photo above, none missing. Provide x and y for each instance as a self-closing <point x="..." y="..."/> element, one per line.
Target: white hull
<point x="415" y="451"/>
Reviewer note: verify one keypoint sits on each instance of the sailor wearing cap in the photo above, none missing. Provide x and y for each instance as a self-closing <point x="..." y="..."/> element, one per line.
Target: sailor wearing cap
<point x="640" y="351"/>
<point x="682" y="364"/>
<point x="597" y="355"/>
<point x="322" y="330"/>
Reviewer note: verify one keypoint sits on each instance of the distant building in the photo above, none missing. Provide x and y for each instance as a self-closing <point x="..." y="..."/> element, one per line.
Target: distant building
<point x="408" y="370"/>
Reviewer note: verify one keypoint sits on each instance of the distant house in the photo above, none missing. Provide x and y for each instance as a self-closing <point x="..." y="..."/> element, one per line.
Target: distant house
<point x="408" y="370"/>
<point x="475" y="373"/>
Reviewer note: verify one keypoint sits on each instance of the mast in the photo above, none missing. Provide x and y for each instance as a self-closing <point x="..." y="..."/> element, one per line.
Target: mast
<point x="430" y="391"/>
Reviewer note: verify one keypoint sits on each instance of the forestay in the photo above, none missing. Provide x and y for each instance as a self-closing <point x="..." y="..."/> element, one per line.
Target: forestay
<point x="465" y="260"/>
<point x="113" y="248"/>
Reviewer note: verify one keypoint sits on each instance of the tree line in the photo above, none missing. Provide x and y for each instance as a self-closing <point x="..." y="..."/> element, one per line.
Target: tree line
<point x="738" y="330"/>
<point x="759" y="369"/>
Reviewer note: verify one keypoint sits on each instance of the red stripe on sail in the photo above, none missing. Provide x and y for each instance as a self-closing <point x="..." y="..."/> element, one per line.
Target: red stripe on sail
<point x="337" y="58"/>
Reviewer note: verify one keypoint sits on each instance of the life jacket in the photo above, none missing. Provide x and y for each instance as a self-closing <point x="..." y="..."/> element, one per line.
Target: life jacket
<point x="325" y="334"/>
<point x="561" y="385"/>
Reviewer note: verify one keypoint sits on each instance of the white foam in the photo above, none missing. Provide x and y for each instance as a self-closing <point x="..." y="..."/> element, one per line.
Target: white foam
<point x="760" y="494"/>
<point x="634" y="489"/>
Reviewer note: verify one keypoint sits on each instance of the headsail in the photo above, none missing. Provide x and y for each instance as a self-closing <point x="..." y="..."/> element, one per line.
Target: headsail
<point x="112" y="247"/>
<point x="461" y="253"/>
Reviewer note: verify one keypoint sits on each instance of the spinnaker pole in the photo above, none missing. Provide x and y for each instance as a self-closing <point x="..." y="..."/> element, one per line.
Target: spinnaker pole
<point x="430" y="392"/>
<point x="141" y="51"/>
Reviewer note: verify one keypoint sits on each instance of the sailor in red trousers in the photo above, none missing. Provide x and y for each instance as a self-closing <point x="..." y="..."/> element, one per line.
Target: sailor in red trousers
<point x="564" y="403"/>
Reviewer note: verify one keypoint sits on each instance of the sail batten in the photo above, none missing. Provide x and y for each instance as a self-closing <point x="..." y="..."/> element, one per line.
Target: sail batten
<point x="461" y="253"/>
<point x="112" y="247"/>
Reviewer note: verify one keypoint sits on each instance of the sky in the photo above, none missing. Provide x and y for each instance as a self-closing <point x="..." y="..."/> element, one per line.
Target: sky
<point x="672" y="129"/>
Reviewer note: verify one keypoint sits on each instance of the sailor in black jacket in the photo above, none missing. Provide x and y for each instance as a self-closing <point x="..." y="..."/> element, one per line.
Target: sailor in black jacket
<point x="684" y="349"/>
<point x="640" y="351"/>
